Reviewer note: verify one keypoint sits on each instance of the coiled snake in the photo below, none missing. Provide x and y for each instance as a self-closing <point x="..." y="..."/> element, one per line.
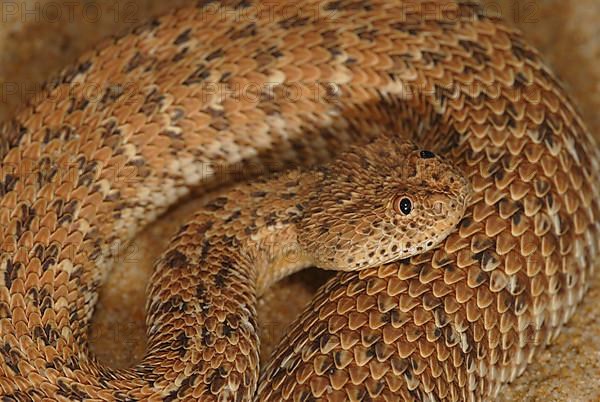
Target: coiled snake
<point x="211" y="87"/>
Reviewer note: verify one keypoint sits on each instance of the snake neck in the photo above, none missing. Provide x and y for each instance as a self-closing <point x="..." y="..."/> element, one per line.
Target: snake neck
<point x="263" y="239"/>
<point x="276" y="247"/>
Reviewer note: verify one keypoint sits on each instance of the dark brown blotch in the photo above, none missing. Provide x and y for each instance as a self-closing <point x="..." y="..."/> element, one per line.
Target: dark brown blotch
<point x="250" y="229"/>
<point x="199" y="75"/>
<point x="215" y="55"/>
<point x="521" y="50"/>
<point x="183" y="37"/>
<point x="180" y="55"/>
<point x="244" y="32"/>
<point x="216" y="204"/>
<point x="176" y="259"/>
<point x="134" y="62"/>
<point x="294" y="22"/>
<point x="234" y="216"/>
<point x="175" y="304"/>
<point x="152" y="103"/>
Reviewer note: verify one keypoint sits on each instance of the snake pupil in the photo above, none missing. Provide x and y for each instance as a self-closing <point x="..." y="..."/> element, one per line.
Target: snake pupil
<point x="427" y="154"/>
<point x="405" y="206"/>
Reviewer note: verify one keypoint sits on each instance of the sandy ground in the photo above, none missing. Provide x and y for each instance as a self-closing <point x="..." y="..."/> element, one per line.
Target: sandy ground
<point x="39" y="37"/>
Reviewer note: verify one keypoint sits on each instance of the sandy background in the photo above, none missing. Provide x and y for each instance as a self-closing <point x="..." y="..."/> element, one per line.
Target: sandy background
<point x="39" y="37"/>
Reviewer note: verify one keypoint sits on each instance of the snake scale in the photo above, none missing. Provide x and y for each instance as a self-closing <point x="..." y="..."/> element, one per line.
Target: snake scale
<point x="186" y="100"/>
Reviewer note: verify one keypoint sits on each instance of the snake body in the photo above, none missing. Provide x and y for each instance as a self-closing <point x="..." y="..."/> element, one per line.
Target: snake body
<point x="185" y="101"/>
<point x="372" y="205"/>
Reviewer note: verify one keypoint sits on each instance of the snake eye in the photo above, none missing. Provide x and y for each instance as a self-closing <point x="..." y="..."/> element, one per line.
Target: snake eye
<point x="427" y="154"/>
<point x="403" y="205"/>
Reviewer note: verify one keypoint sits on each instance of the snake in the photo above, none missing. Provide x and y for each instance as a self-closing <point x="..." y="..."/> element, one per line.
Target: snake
<point x="462" y="256"/>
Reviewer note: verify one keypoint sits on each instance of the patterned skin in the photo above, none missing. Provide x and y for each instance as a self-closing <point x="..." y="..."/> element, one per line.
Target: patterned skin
<point x="345" y="215"/>
<point x="243" y="86"/>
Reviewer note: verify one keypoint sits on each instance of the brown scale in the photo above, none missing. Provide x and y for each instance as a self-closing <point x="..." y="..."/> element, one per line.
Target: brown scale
<point x="453" y="323"/>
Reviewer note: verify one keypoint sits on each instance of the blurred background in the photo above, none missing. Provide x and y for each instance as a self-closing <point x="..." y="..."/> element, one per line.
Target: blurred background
<point x="38" y="37"/>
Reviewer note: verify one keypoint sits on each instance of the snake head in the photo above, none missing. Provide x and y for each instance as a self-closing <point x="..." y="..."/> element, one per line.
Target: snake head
<point x="381" y="202"/>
